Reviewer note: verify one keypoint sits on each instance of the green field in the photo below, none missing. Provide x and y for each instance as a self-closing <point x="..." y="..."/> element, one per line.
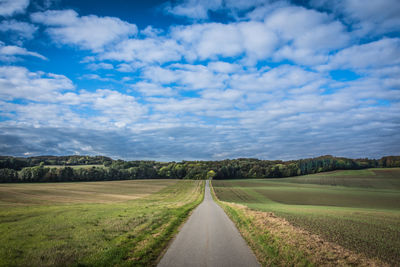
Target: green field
<point x="92" y="223"/>
<point x="358" y="209"/>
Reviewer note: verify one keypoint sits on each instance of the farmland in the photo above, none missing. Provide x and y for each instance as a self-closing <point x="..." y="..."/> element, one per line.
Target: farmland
<point x="92" y="223"/>
<point x="357" y="209"/>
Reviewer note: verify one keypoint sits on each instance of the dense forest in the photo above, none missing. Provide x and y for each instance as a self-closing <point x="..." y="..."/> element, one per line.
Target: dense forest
<point x="75" y="168"/>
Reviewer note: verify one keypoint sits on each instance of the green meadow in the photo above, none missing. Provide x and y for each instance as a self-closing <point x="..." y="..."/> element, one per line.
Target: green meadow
<point x="357" y="209"/>
<point x="126" y="223"/>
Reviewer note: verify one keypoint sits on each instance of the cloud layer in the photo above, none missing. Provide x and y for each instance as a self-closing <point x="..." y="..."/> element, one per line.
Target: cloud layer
<point x="266" y="79"/>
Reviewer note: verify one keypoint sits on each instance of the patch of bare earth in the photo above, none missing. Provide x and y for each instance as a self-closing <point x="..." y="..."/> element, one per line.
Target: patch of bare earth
<point x="317" y="250"/>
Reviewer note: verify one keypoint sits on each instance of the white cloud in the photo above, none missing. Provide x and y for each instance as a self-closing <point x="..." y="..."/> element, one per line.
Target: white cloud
<point x="23" y="30"/>
<point x="186" y="76"/>
<point x="111" y="109"/>
<point x="11" y="53"/>
<point x="18" y="82"/>
<point x="123" y="67"/>
<point x="384" y="52"/>
<point x="277" y="79"/>
<point x="244" y="4"/>
<point x="96" y="77"/>
<point x="223" y="95"/>
<point x="147" y="50"/>
<point x="372" y="18"/>
<point x="195" y="9"/>
<point x="11" y="7"/>
<point x="210" y="89"/>
<point x="378" y="16"/>
<point x="150" y="31"/>
<point x="217" y="39"/>
<point x="258" y="41"/>
<point x="197" y="106"/>
<point x="308" y="36"/>
<point x="152" y="89"/>
<point x="50" y="102"/>
<point x="101" y="65"/>
<point x="41" y="114"/>
<point x="45" y="4"/>
<point x="88" y="59"/>
<point x="224" y="67"/>
<point x="88" y="32"/>
<point x="159" y="75"/>
<point x="199" y="9"/>
<point x="213" y="40"/>
<point x="210" y="40"/>
<point x="120" y="109"/>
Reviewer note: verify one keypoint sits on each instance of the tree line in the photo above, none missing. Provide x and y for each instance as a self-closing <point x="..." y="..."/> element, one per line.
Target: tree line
<point x="43" y="169"/>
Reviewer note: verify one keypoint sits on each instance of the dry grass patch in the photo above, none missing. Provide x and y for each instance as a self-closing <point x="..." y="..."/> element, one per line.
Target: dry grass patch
<point x="317" y="250"/>
<point x="277" y="242"/>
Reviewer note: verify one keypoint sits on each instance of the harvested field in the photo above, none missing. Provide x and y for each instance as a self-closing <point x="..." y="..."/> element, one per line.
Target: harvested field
<point x="364" y="219"/>
<point x="82" y="192"/>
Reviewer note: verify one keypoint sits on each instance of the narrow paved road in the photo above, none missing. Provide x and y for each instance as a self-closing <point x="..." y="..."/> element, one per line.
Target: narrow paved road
<point x="208" y="238"/>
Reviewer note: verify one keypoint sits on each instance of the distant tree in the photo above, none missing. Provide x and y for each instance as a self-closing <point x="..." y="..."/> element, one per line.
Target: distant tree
<point x="210" y="174"/>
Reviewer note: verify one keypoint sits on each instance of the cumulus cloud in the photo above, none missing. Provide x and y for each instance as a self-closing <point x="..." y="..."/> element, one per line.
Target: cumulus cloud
<point x="96" y="77"/>
<point x="199" y="9"/>
<point x="51" y="101"/>
<point x="194" y="9"/>
<point x="12" y="53"/>
<point x="147" y="50"/>
<point x="376" y="17"/>
<point x="361" y="57"/>
<point x="305" y="135"/>
<point x="379" y="16"/>
<point x="269" y="79"/>
<point x="277" y="79"/>
<point x="11" y="7"/>
<point x="306" y="38"/>
<point x="18" y="82"/>
<point x="88" y="32"/>
<point x="152" y="89"/>
<point x="185" y="76"/>
<point x="20" y="30"/>
<point x="308" y="35"/>
<point x="111" y="108"/>
<point x="101" y="65"/>
<point x="117" y="108"/>
<point x="213" y="40"/>
<point x="224" y="67"/>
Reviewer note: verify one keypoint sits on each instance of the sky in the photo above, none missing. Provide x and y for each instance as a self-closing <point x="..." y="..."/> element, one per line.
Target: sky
<point x="200" y="80"/>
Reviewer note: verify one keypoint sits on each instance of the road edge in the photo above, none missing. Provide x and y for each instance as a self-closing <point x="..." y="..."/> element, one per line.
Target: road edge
<point x="178" y="229"/>
<point x="223" y="206"/>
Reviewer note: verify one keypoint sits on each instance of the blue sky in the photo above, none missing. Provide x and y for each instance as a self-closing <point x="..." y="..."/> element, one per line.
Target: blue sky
<point x="212" y="79"/>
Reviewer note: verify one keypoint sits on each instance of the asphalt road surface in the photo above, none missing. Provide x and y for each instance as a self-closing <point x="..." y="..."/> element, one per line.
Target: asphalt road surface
<point x="209" y="238"/>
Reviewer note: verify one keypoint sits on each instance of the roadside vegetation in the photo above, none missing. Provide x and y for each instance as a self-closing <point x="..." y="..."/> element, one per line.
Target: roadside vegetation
<point x="337" y="218"/>
<point x="125" y="223"/>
